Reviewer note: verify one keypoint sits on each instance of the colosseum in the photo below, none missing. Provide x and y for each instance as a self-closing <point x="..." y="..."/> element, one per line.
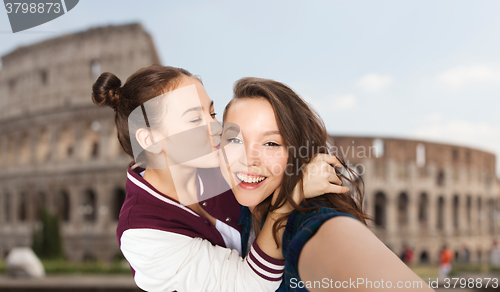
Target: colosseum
<point x="425" y="195"/>
<point x="59" y="151"/>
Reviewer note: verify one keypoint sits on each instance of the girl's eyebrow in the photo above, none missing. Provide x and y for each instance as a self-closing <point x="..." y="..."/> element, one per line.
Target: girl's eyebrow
<point x="268" y="133"/>
<point x="198" y="108"/>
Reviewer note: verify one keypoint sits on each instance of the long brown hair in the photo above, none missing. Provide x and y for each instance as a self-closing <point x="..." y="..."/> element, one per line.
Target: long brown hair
<point x="301" y="128"/>
<point x="145" y="84"/>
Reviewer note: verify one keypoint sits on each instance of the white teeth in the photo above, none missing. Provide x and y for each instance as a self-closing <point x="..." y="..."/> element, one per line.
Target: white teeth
<point x="249" y="179"/>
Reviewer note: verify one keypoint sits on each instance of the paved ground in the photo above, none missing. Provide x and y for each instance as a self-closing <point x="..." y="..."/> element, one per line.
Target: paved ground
<point x="125" y="283"/>
<point x="74" y="283"/>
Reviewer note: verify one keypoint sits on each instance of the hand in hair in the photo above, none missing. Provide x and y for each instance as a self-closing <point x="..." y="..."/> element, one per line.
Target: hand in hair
<point x="320" y="177"/>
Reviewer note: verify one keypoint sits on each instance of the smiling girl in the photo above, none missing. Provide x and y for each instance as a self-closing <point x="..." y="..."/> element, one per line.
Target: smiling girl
<point x="324" y="237"/>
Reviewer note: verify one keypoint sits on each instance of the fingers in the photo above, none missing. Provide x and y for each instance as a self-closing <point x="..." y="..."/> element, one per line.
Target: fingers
<point x="337" y="189"/>
<point x="330" y="159"/>
<point x="334" y="179"/>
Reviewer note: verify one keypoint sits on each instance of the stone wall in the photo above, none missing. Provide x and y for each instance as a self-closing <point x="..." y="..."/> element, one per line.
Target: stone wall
<point x="57" y="149"/>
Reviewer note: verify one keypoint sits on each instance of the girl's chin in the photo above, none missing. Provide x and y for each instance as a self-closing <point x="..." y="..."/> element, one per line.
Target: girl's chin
<point x="245" y="200"/>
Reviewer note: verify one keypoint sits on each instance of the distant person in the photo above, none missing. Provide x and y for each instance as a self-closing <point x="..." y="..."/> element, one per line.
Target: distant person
<point x="495" y="255"/>
<point x="407" y="254"/>
<point x="466" y="257"/>
<point x="446" y="259"/>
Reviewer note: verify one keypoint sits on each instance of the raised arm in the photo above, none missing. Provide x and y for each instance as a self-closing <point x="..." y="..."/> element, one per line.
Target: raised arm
<point x="345" y="250"/>
<point x="319" y="178"/>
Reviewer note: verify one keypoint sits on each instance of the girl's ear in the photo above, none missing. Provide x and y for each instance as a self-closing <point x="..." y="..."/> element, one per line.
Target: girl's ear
<point x="145" y="139"/>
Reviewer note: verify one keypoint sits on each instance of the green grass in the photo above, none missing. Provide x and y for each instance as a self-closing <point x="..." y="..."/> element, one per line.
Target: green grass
<point x="88" y="267"/>
<point x="432" y="271"/>
<point x="470" y="268"/>
<point x="60" y="266"/>
<point x="426" y="271"/>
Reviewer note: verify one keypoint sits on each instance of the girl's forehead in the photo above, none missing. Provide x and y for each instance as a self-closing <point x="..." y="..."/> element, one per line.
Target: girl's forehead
<point x="186" y="99"/>
<point x="249" y="105"/>
<point x="182" y="99"/>
<point x="252" y="116"/>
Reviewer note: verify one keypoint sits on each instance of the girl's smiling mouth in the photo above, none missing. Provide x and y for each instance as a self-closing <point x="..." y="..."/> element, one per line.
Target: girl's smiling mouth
<point x="249" y="181"/>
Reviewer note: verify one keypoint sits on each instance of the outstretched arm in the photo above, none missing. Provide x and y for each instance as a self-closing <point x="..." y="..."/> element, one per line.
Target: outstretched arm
<point x="344" y="249"/>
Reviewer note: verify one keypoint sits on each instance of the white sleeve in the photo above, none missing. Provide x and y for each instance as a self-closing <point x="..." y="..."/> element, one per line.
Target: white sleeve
<point x="166" y="261"/>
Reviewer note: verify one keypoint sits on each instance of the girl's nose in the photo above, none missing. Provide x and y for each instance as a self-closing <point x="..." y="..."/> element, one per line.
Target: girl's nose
<point x="215" y="128"/>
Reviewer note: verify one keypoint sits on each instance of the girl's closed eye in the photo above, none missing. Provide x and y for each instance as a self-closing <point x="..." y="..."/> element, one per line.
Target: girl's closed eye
<point x="195" y="120"/>
<point x="234" y="140"/>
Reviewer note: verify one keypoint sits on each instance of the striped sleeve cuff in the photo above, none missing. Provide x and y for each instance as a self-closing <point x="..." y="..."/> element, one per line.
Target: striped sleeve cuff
<point x="263" y="265"/>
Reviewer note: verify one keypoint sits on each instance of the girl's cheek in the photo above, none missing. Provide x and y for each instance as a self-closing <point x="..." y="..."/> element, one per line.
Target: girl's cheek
<point x="276" y="165"/>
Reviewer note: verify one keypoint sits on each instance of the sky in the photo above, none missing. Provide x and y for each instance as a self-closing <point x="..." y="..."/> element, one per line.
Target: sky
<point x="421" y="69"/>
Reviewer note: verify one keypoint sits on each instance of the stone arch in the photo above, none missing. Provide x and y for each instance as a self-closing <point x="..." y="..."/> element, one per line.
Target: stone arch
<point x="479" y="212"/>
<point x="403" y="209"/>
<point x="40" y="204"/>
<point x="469" y="211"/>
<point x="380" y="209"/>
<point x="378" y="146"/>
<point x="440" y="213"/>
<point x="420" y="155"/>
<point x="91" y="145"/>
<point x="89" y="206"/>
<point x="119" y="198"/>
<point x="66" y="142"/>
<point x="440" y="179"/>
<point x="95" y="68"/>
<point x="23" y="207"/>
<point x="43" y="147"/>
<point x="423" y="206"/>
<point x="7" y="207"/>
<point x="456" y="211"/>
<point x="491" y="216"/>
<point x="24" y="151"/>
<point x="64" y="206"/>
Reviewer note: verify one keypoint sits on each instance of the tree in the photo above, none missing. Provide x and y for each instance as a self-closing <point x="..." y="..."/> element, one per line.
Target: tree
<point x="47" y="240"/>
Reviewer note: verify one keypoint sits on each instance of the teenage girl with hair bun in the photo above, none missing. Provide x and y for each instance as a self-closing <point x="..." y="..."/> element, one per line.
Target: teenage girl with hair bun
<point x="185" y="247"/>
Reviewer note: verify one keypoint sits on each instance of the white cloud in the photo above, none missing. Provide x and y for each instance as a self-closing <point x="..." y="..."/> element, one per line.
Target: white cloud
<point x="374" y="82"/>
<point x="469" y="76"/>
<point x="344" y="102"/>
<point x="481" y="135"/>
<point x="431" y="119"/>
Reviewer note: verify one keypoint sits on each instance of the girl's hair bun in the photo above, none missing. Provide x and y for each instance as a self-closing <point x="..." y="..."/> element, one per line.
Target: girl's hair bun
<point x="106" y="90"/>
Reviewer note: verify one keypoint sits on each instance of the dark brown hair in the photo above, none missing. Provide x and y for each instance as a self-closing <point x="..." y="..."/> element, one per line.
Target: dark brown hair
<point x="300" y="127"/>
<point x="140" y="87"/>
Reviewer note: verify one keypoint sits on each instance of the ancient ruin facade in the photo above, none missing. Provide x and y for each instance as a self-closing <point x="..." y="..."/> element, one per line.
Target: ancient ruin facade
<point x="58" y="150"/>
<point x="427" y="194"/>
